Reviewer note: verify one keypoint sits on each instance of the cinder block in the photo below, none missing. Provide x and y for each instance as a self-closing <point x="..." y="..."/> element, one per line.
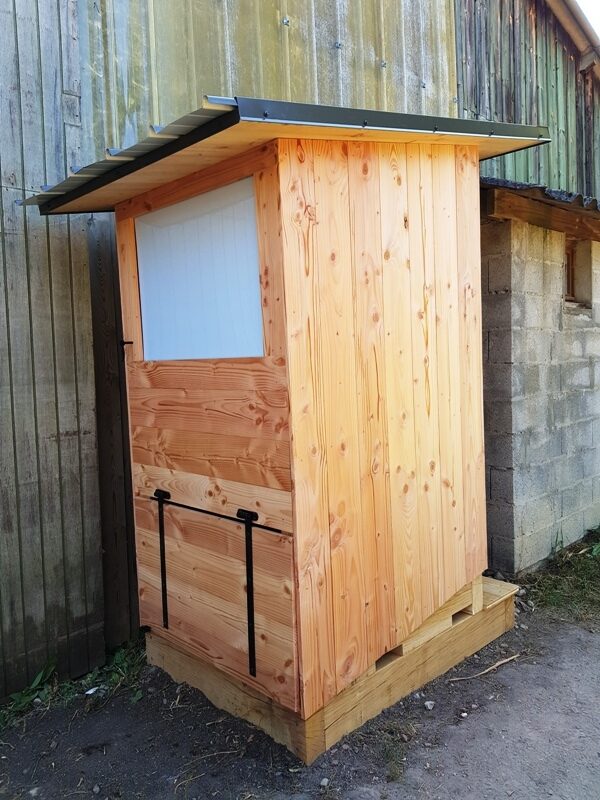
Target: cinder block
<point x="591" y="517"/>
<point x="499" y="272"/>
<point x="591" y="462"/>
<point x="535" y="243"/>
<point x="500" y="346"/>
<point x="496" y="238"/>
<point x="572" y="528"/>
<point x="576" y="498"/>
<point x="530" y="550"/>
<point x="526" y="380"/>
<point x="532" y="481"/>
<point x="497" y="381"/>
<point x="590" y="343"/>
<point x="537" y="514"/>
<point x="533" y="310"/>
<point x="569" y="344"/>
<point x="500" y="520"/>
<point x="568" y="470"/>
<point x="497" y="414"/>
<point x="531" y="346"/>
<point x="567" y="408"/>
<point x="499" y="449"/>
<point x="543" y="446"/>
<point x="554" y="246"/>
<point x="590" y="403"/>
<point x="501" y="484"/>
<point x="578" y="436"/>
<point x="553" y="282"/>
<point x="575" y="375"/>
<point x="501" y="554"/>
<point x="534" y="411"/>
<point x="497" y="311"/>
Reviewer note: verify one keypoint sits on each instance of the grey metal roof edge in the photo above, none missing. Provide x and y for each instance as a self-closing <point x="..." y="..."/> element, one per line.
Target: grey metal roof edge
<point x="219" y="113"/>
<point x="257" y="110"/>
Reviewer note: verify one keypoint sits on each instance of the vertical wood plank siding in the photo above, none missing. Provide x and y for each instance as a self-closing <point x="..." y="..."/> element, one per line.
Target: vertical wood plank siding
<point x="149" y="63"/>
<point x="51" y="599"/>
<point x="517" y="64"/>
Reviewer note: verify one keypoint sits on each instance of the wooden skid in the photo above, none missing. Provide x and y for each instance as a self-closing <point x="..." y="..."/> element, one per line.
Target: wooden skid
<point x="456" y="634"/>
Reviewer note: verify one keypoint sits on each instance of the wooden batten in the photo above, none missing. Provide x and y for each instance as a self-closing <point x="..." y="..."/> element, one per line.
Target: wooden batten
<point x="502" y="204"/>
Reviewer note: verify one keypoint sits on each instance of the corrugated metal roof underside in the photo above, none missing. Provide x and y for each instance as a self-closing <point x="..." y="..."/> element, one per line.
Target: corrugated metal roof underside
<point x="225" y="127"/>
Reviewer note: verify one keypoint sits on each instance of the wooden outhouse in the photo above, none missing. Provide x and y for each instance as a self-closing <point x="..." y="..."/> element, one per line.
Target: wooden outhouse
<point x="300" y="289"/>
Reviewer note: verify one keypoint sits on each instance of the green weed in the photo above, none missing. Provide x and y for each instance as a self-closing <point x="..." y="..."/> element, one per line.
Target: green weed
<point x="571" y="581"/>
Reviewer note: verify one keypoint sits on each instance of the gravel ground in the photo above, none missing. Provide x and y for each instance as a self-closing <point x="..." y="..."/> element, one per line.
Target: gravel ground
<point x="530" y="730"/>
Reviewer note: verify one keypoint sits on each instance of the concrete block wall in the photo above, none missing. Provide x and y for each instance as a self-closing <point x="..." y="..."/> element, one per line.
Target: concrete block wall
<point x="541" y="396"/>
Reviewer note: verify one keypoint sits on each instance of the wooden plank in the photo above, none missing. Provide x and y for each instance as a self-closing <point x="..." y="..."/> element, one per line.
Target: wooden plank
<point x="240" y="166"/>
<point x="471" y="367"/>
<point x="316" y="653"/>
<point x="239" y="413"/>
<point x="337" y="363"/>
<point x="118" y="545"/>
<point x="441" y="620"/>
<point x="395" y="677"/>
<point x="448" y="370"/>
<point x="273" y="506"/>
<point x="502" y="204"/>
<point x="130" y="290"/>
<point x="378" y="554"/>
<point x="270" y="246"/>
<point x="206" y="585"/>
<point x="240" y="374"/>
<point x="425" y="385"/>
<point x="259" y="462"/>
<point x="399" y="388"/>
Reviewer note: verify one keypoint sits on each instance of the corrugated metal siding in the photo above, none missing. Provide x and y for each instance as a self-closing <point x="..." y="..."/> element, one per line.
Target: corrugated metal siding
<point x="517" y="64"/>
<point x="152" y="62"/>
<point x="50" y="552"/>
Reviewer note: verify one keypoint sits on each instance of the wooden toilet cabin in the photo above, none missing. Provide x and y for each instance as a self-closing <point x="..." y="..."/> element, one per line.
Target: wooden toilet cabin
<point x="300" y="289"/>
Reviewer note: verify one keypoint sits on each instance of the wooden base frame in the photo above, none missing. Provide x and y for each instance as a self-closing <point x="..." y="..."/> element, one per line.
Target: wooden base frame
<point x="474" y="617"/>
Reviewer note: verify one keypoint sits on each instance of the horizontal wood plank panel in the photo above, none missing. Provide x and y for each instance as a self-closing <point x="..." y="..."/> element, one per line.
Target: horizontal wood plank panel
<point x="240" y="413"/>
<point x="206" y="584"/>
<point x="259" y="462"/>
<point x="232" y="169"/>
<point x="254" y="374"/>
<point x="273" y="506"/>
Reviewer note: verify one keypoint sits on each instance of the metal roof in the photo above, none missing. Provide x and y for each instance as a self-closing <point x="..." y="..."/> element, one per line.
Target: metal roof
<point x="131" y="171"/>
<point x="570" y="201"/>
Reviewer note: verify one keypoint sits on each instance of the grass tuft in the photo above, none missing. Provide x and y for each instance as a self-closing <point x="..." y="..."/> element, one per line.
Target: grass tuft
<point x="570" y="583"/>
<point x="122" y="671"/>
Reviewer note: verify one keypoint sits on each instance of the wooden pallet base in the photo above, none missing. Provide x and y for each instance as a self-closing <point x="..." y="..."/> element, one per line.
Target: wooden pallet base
<point x="455" y="632"/>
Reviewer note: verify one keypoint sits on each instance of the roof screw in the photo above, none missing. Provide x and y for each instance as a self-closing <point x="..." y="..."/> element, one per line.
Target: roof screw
<point x="286" y="21"/>
<point x="383" y="64"/>
<point x="338" y="45"/>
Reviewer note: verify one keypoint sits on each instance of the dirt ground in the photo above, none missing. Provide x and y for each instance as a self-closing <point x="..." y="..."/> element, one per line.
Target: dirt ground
<point x="530" y="730"/>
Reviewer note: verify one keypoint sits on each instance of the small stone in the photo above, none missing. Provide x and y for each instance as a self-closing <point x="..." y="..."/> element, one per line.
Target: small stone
<point x="345" y="747"/>
<point x="96" y="789"/>
<point x="474" y="705"/>
<point x="464" y="714"/>
<point x="522" y="592"/>
<point x="325" y="783"/>
<point x="524" y="627"/>
<point x="429" y="705"/>
<point x="335" y="762"/>
<point x="34" y="792"/>
<point x="405" y="737"/>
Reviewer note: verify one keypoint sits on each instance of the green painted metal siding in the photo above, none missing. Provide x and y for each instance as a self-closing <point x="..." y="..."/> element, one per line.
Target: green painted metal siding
<point x="151" y="62"/>
<point x="517" y="64"/>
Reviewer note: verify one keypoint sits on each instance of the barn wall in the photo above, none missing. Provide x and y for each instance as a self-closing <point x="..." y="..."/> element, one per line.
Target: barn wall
<point x="152" y="62"/>
<point x="517" y="64"/>
<point x="51" y="605"/>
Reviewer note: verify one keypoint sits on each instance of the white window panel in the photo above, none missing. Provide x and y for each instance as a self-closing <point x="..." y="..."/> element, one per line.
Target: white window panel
<point x="199" y="277"/>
